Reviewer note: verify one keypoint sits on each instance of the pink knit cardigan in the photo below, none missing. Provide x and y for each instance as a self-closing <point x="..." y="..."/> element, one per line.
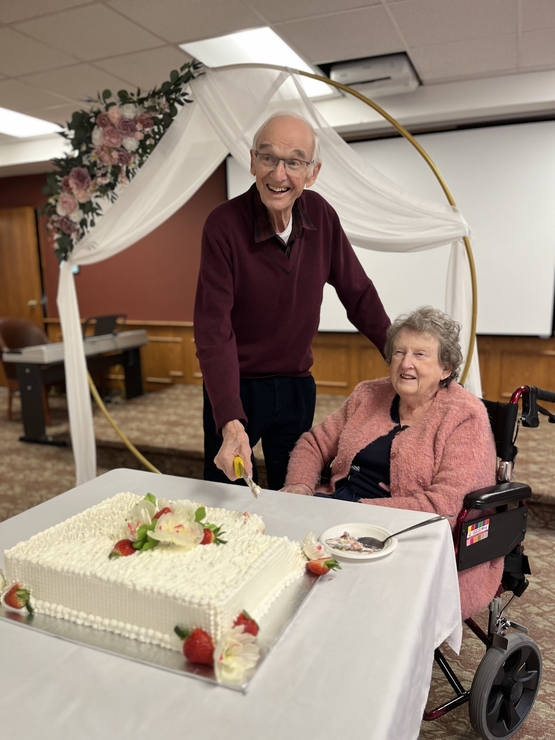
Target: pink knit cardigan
<point x="434" y="463"/>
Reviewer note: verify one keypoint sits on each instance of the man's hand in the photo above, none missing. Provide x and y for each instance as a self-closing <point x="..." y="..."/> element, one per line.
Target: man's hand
<point x="236" y="442"/>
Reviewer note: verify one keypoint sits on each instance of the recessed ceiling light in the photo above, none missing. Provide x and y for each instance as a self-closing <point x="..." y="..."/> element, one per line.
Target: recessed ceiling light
<point x="23" y="126"/>
<point x="255" y="46"/>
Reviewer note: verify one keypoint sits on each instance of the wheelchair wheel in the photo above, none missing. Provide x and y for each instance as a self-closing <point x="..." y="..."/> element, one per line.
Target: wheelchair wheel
<point x="505" y="687"/>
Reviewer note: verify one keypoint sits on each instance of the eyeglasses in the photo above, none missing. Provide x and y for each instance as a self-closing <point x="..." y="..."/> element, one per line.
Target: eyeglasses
<point x="291" y="165"/>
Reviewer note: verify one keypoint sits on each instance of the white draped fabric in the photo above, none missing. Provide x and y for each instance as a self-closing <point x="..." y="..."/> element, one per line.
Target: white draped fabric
<point x="229" y="106"/>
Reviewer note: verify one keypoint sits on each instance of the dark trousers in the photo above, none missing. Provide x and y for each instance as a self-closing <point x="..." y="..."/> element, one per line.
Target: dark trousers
<point x="279" y="410"/>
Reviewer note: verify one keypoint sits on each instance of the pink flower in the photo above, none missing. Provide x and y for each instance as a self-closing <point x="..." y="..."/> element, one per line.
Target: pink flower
<point x="82" y="196"/>
<point x="145" y="120"/>
<point x="67" y="226"/>
<point x="114" y="114"/>
<point x="139" y="135"/>
<point x="124" y="158"/>
<point x="66" y="204"/>
<point x="111" y="137"/>
<point x="66" y="184"/>
<point x="79" y="179"/>
<point x="126" y="127"/>
<point x="103" y="120"/>
<point x="104" y="154"/>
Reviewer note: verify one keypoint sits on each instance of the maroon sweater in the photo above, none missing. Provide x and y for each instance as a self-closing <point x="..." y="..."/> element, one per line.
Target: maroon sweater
<point x="257" y="310"/>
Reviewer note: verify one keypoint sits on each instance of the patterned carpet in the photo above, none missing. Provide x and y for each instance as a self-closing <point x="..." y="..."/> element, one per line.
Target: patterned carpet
<point x="166" y="427"/>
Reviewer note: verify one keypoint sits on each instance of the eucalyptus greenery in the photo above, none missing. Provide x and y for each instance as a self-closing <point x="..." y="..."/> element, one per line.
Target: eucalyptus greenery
<point x="110" y="140"/>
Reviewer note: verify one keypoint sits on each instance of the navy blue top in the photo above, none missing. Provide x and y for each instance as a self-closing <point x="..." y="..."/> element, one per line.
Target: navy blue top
<point x="370" y="466"/>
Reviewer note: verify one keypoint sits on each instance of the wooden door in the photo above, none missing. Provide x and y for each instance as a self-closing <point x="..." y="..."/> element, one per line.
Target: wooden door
<point x="20" y="274"/>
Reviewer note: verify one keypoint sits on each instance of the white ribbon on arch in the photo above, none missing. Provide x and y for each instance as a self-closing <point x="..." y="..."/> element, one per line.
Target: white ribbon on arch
<point x="230" y="104"/>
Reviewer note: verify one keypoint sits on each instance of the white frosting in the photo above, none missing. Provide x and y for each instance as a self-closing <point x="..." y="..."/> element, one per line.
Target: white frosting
<point x="69" y="574"/>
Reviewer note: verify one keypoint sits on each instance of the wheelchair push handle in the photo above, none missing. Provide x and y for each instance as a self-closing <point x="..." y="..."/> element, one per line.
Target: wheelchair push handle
<point x="530" y="396"/>
<point x="542" y="395"/>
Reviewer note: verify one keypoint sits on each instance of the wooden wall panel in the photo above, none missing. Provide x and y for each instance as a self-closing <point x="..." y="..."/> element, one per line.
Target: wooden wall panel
<point x="341" y="360"/>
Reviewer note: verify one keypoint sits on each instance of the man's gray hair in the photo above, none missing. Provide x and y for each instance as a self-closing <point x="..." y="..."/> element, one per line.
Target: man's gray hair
<point x="287" y="114"/>
<point x="428" y="320"/>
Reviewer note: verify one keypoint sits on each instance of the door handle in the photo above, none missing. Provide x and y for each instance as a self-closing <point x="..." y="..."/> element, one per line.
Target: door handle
<point x="32" y="303"/>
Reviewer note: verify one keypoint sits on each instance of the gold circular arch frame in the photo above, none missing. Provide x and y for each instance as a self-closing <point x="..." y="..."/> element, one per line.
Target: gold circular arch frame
<point x="445" y="189"/>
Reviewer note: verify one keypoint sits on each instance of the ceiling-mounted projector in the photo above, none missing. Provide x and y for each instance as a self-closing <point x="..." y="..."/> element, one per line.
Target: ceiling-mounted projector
<point x="391" y="74"/>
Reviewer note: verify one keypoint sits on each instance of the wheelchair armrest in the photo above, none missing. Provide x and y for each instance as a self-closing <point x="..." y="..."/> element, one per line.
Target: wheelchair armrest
<point x="498" y="495"/>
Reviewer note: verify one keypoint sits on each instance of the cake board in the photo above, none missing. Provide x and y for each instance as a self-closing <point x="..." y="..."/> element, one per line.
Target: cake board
<point x="273" y="626"/>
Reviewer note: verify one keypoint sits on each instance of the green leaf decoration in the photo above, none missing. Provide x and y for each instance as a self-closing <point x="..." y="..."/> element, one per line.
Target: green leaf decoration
<point x="200" y="513"/>
<point x="99" y="164"/>
<point x="151" y="498"/>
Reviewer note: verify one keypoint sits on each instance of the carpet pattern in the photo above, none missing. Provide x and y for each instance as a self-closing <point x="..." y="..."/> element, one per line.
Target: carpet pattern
<point x="166" y="427"/>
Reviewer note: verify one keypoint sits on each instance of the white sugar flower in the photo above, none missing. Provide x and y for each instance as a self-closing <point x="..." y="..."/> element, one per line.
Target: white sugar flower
<point x="235" y="654"/>
<point x="141" y="513"/>
<point x="313" y="548"/>
<point x="130" y="144"/>
<point x="175" y="529"/>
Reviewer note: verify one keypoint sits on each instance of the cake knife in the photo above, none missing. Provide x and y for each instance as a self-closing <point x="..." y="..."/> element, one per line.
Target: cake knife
<point x="240" y="472"/>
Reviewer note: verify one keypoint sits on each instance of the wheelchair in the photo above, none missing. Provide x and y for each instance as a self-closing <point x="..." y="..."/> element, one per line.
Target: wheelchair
<point x="508" y="678"/>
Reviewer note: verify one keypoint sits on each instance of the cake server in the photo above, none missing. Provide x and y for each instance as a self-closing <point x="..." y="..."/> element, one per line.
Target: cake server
<point x="240" y="472"/>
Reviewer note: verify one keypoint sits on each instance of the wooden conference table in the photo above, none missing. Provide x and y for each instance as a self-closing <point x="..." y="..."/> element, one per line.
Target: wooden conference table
<point x="355" y="662"/>
<point x="43" y="364"/>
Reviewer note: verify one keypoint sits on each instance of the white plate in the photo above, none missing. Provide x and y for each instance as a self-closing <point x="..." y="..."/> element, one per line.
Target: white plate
<point x="359" y="530"/>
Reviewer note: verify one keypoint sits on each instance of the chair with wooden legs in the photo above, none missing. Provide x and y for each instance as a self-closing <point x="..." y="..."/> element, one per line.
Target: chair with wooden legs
<point x="17" y="333"/>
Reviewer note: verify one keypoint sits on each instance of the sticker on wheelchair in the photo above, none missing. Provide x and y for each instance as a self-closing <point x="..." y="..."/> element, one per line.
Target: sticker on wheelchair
<point x="477" y="531"/>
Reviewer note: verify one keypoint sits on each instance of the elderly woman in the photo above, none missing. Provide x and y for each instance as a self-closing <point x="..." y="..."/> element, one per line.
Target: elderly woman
<point x="414" y="440"/>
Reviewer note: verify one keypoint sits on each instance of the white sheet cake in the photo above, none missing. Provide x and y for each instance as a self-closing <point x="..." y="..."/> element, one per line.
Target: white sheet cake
<point x="68" y="572"/>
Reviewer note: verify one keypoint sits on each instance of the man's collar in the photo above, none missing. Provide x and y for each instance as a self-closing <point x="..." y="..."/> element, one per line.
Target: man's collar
<point x="263" y="228"/>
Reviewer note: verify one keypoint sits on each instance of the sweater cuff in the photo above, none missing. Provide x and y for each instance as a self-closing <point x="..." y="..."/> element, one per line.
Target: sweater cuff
<point x="227" y="410"/>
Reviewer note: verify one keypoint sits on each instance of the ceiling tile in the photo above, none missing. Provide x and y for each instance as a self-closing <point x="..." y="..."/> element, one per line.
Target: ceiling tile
<point x="17" y="96"/>
<point x="287" y="10"/>
<point x="537" y="49"/>
<point x="23" y="9"/>
<point x="425" y="22"/>
<point x="191" y="20"/>
<point x="60" y="114"/>
<point x="145" y="69"/>
<point x="349" y="35"/>
<point x="92" y="32"/>
<point x="464" y="59"/>
<point x="77" y="82"/>
<point x="22" y="55"/>
<point x="538" y="15"/>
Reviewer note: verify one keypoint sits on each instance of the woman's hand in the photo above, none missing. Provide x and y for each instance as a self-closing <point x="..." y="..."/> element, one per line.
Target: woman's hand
<point x="300" y="488"/>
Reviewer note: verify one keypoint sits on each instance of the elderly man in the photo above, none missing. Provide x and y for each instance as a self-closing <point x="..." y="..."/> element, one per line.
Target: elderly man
<point x="266" y="256"/>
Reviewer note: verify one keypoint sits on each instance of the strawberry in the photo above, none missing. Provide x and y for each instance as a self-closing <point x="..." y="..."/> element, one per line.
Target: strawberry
<point x="249" y="624"/>
<point x="197" y="646"/>
<point x="165" y="510"/>
<point x="122" y="549"/>
<point x="322" y="566"/>
<point x="212" y="535"/>
<point x="18" y="598"/>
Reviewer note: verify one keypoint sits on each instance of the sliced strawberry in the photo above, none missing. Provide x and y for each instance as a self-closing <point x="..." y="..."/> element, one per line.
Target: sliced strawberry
<point x="249" y="624"/>
<point x="322" y="566"/>
<point x="18" y="598"/>
<point x="197" y="646"/>
<point x="212" y="535"/>
<point x="122" y="549"/>
<point x="165" y="510"/>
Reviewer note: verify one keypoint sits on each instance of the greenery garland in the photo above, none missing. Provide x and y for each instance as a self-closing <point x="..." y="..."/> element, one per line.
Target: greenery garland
<point x="111" y="141"/>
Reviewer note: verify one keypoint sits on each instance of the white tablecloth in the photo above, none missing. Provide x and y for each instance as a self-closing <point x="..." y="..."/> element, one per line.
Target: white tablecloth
<point x="355" y="662"/>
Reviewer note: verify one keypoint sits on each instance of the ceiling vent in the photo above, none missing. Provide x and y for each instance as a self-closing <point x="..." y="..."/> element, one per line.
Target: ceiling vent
<point x="391" y="74"/>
